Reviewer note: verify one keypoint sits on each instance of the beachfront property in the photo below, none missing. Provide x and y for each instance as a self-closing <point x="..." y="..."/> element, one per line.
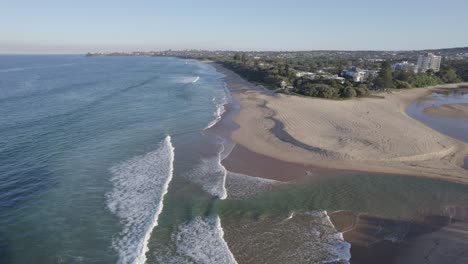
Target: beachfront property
<point x="333" y="77"/>
<point x="403" y="66"/>
<point x="427" y="62"/>
<point x="354" y="73"/>
<point x="320" y="75"/>
<point x="303" y="73"/>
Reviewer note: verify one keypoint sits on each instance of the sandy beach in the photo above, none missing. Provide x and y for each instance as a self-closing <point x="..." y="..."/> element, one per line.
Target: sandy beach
<point x="365" y="134"/>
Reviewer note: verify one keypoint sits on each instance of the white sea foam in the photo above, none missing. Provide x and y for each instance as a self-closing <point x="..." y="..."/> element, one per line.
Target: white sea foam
<point x="302" y="237"/>
<point x="220" y="110"/>
<point x="137" y="199"/>
<point x="200" y="240"/>
<point x="340" y="250"/>
<point x="196" y="79"/>
<point x="240" y="186"/>
<point x="218" y="113"/>
<point x="210" y="174"/>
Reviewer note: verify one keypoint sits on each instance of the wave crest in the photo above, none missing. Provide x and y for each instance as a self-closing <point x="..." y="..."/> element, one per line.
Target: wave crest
<point x="137" y="199"/>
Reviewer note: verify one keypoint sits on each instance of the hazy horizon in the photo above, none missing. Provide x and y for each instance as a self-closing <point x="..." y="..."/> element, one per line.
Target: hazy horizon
<point x="56" y="27"/>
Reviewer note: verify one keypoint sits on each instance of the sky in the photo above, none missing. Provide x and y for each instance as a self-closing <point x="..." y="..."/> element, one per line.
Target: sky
<point x="65" y="26"/>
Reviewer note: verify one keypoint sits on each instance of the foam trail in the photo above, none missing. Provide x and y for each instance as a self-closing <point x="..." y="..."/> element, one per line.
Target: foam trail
<point x="219" y="112"/>
<point x="240" y="186"/>
<point x="200" y="240"/>
<point x="196" y="79"/>
<point x="137" y="199"/>
<point x="219" y="109"/>
<point x="210" y="174"/>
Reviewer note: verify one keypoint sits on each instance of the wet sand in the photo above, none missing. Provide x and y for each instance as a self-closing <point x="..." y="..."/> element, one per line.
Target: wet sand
<point x="448" y="110"/>
<point x="435" y="239"/>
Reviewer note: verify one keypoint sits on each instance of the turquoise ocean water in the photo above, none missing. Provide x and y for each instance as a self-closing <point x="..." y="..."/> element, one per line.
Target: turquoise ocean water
<point x="87" y="149"/>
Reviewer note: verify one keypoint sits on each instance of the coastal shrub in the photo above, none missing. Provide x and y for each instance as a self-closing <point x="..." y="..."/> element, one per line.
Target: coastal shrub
<point x="362" y="90"/>
<point x="424" y="80"/>
<point x="348" y="92"/>
<point x="402" y="84"/>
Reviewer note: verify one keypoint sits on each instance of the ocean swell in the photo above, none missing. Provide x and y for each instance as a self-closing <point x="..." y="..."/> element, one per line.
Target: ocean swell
<point x="137" y="199"/>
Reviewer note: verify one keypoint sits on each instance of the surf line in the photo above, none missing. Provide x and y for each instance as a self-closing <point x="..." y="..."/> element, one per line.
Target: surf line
<point x="140" y="185"/>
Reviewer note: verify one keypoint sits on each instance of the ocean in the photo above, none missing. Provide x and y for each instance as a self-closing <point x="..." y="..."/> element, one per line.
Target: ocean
<point x="89" y="148"/>
<point x="118" y="160"/>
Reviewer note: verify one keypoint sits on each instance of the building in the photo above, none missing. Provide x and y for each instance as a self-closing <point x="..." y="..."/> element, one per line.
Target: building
<point x="356" y="74"/>
<point x="403" y="66"/>
<point x="302" y="74"/>
<point x="427" y="62"/>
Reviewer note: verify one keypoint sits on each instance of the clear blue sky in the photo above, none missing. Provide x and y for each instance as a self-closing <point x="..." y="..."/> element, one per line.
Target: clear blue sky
<point x="66" y="26"/>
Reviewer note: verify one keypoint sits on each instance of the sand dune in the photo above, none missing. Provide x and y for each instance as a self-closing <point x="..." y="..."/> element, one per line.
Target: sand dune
<point x="369" y="134"/>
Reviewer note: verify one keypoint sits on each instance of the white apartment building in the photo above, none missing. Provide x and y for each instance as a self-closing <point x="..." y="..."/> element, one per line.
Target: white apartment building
<point x="427" y="62"/>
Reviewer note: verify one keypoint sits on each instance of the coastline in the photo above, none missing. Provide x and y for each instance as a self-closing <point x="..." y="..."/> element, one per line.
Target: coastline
<point x="255" y="127"/>
<point x="264" y="148"/>
<point x="269" y="129"/>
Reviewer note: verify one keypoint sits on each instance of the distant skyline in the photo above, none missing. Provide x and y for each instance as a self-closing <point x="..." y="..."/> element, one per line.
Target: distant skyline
<point x="64" y="26"/>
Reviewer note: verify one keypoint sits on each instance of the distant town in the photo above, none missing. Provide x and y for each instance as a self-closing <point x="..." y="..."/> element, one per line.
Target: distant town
<point x="334" y="74"/>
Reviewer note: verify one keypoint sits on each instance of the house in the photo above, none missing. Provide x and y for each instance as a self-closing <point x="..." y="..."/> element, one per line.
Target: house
<point x="303" y="73"/>
<point x="356" y="74"/>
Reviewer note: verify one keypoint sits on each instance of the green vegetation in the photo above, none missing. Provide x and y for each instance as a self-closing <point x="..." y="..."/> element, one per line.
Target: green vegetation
<point x="402" y="79"/>
<point x="385" y="78"/>
<point x="459" y="66"/>
<point x="330" y="89"/>
<point x="278" y="73"/>
<point x="275" y="73"/>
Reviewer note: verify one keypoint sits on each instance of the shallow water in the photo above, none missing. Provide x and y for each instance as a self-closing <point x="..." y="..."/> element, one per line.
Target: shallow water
<point x="454" y="127"/>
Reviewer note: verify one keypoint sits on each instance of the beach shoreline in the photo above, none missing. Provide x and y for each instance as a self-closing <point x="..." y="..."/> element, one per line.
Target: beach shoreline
<point x="280" y="156"/>
<point x="269" y="129"/>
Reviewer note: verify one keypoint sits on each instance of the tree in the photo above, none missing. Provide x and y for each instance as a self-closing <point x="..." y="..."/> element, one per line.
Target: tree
<point x="237" y="56"/>
<point x="404" y="75"/>
<point x="243" y="58"/>
<point x="449" y="75"/>
<point x="385" y="78"/>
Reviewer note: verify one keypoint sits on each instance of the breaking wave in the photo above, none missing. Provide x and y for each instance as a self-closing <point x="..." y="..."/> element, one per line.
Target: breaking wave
<point x="200" y="240"/>
<point x="137" y="199"/>
<point x="210" y="174"/>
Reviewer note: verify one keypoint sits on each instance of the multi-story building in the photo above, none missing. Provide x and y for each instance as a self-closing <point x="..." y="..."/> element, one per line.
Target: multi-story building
<point x="427" y="62"/>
